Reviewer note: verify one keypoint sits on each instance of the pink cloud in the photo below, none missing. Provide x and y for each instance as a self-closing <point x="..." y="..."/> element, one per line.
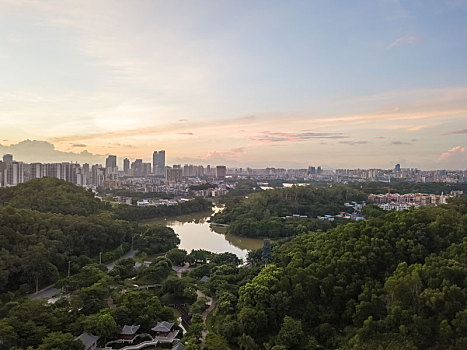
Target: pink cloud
<point x="455" y="132"/>
<point x="451" y="153"/>
<point x="405" y="40"/>
<point x="268" y="137"/>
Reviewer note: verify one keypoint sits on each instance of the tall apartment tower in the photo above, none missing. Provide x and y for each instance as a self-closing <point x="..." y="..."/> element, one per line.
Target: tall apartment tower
<point x="126" y="166"/>
<point x="221" y="171"/>
<point x="111" y="169"/>
<point x="2" y="170"/>
<point x="158" y="163"/>
<point x="7" y="158"/>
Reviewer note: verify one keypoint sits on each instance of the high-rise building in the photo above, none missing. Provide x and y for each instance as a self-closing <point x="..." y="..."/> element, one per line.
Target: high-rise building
<point x="221" y="171"/>
<point x="137" y="168"/>
<point x="13" y="173"/>
<point x="7" y="158"/>
<point x="146" y="169"/>
<point x="158" y="162"/>
<point x="397" y="168"/>
<point x="111" y="169"/>
<point x="111" y="162"/>
<point x="2" y="169"/>
<point x="97" y="175"/>
<point x="36" y="171"/>
<point x="126" y="166"/>
<point x="173" y="174"/>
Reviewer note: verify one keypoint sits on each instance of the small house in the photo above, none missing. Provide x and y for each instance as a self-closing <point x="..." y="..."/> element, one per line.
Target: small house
<point x="128" y="333"/>
<point x="163" y="328"/>
<point x="89" y="341"/>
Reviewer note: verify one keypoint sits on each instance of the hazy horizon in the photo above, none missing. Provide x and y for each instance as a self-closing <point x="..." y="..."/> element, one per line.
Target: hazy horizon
<point x="365" y="84"/>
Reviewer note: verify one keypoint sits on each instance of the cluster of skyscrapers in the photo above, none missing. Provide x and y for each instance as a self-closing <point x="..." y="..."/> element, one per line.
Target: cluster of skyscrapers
<point x="15" y="172"/>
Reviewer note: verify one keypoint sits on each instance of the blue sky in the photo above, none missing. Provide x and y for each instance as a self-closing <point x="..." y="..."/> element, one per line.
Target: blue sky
<point x="252" y="83"/>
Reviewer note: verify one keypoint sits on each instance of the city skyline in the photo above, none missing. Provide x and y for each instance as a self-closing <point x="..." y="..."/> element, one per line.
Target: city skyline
<point x="366" y="84"/>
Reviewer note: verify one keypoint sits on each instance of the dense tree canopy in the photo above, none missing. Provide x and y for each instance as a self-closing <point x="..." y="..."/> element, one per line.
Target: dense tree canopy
<point x="52" y="195"/>
<point x="134" y="213"/>
<point x="396" y="281"/>
<point x="263" y="214"/>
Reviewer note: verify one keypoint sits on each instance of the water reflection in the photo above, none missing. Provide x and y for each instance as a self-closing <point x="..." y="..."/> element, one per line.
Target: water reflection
<point x="195" y="232"/>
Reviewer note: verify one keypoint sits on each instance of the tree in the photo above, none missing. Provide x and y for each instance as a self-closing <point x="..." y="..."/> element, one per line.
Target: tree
<point x="8" y="335"/>
<point x="177" y="256"/>
<point x="106" y="325"/>
<point x="266" y="253"/>
<point x="157" y="239"/>
<point x="291" y="333"/>
<point x="61" y="341"/>
<point x="215" y="342"/>
<point x="245" y="342"/>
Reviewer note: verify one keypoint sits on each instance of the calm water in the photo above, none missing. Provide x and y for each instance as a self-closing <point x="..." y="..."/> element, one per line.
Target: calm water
<point x="196" y="233"/>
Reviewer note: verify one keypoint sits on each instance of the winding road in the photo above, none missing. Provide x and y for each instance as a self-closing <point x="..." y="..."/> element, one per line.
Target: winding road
<point x="211" y="301"/>
<point x="49" y="291"/>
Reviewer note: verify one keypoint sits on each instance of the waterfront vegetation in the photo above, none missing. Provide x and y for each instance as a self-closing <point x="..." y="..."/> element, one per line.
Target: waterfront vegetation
<point x="264" y="214"/>
<point x="395" y="281"/>
<point x="134" y="213"/>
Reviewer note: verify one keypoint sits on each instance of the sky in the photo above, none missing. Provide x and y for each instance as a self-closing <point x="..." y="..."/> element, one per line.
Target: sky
<point x="354" y="84"/>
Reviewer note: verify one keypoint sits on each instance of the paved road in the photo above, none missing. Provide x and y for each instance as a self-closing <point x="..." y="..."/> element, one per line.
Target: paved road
<point x="129" y="254"/>
<point x="180" y="269"/>
<point x="49" y="291"/>
<point x="211" y="301"/>
<point x="46" y="293"/>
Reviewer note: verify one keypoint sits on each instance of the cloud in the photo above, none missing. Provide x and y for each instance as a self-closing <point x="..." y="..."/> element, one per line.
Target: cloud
<point x="353" y="143"/>
<point x="451" y="153"/>
<point x="454" y="132"/>
<point x="78" y="145"/>
<point x="405" y="40"/>
<point x="31" y="151"/>
<point x="400" y="143"/>
<point x="267" y="137"/>
<point x="185" y="133"/>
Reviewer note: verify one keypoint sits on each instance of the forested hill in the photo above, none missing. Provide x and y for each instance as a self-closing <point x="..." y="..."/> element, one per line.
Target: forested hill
<point x="259" y="214"/>
<point x="52" y="195"/>
<point x="47" y="223"/>
<point x="394" y="282"/>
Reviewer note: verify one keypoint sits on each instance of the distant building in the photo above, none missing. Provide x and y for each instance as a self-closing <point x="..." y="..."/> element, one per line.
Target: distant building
<point x="173" y="174"/>
<point x="163" y="328"/>
<point x="89" y="341"/>
<point x="137" y="168"/>
<point x="111" y="162"/>
<point x="13" y="173"/>
<point x="221" y="171"/>
<point x="158" y="163"/>
<point x="128" y="333"/>
<point x="126" y="166"/>
<point x="7" y="158"/>
<point x="111" y="169"/>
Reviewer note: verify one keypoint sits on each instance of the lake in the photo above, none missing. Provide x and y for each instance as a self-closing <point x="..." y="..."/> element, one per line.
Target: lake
<point x="195" y="232"/>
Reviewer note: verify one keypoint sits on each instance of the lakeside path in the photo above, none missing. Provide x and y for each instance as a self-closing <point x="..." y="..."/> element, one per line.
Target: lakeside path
<point x="49" y="291"/>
